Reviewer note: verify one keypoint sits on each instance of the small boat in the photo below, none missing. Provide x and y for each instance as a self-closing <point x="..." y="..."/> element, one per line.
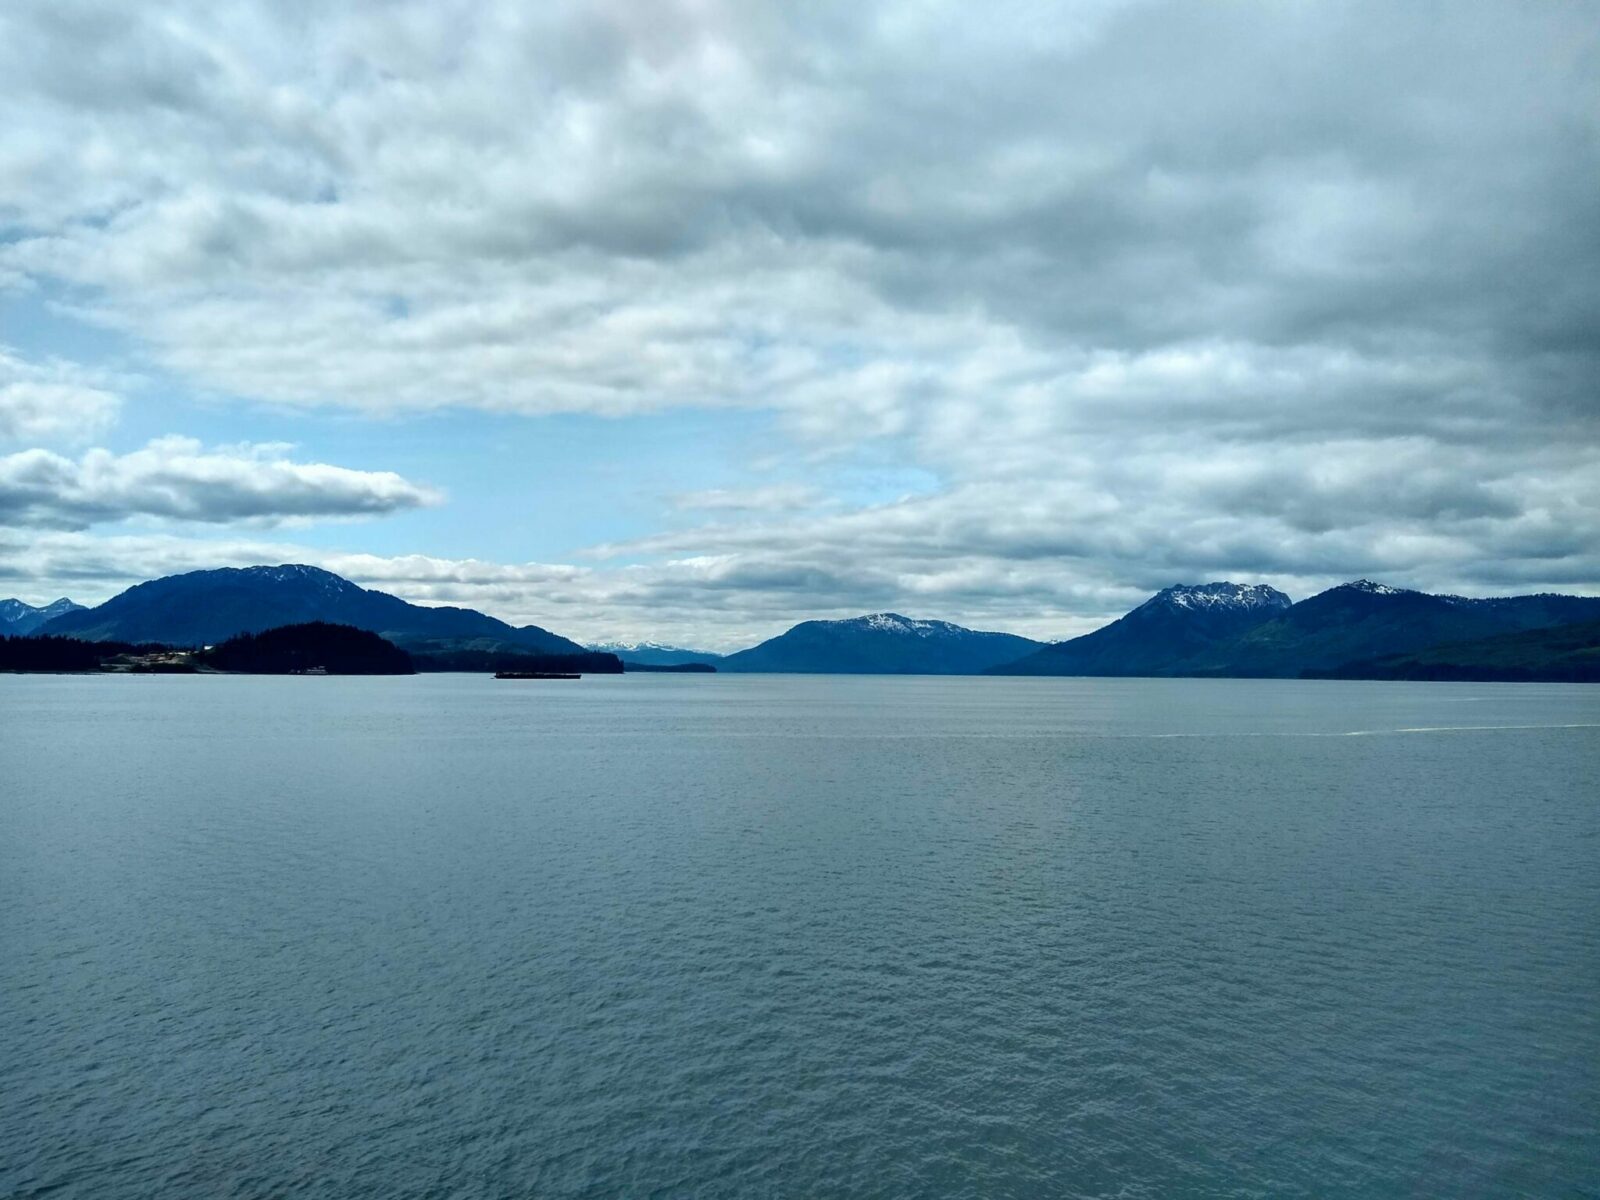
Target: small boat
<point x="534" y="675"/>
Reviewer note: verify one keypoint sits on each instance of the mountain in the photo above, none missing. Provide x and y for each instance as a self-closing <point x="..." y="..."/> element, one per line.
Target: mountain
<point x="1366" y="620"/>
<point x="18" y="618"/>
<point x="654" y="654"/>
<point x="207" y="607"/>
<point x="880" y="644"/>
<point x="1167" y="630"/>
<point x="1229" y="629"/>
<point x="1562" y="654"/>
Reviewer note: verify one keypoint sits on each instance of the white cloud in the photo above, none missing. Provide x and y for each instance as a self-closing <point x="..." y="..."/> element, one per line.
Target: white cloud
<point x="1140" y="326"/>
<point x="54" y="401"/>
<point x="1045" y="561"/>
<point x="585" y="208"/>
<point x="179" y="479"/>
<point x="776" y="497"/>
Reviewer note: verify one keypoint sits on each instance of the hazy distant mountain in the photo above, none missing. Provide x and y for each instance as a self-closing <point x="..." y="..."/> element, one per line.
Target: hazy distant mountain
<point x="18" y="618"/>
<point x="880" y="644"/>
<point x="654" y="654"/>
<point x="1364" y="620"/>
<point x="1167" y="630"/>
<point x="206" y="607"/>
<point x="1564" y="653"/>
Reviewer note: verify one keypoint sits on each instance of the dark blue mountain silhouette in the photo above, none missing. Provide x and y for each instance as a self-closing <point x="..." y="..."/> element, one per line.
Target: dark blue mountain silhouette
<point x="879" y="644"/>
<point x="206" y="607"/>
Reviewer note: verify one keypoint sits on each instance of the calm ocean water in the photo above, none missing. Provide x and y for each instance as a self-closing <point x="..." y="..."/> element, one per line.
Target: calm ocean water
<point x="768" y="936"/>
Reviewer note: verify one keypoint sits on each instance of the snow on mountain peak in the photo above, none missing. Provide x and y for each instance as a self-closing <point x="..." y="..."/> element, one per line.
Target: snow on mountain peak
<point x="888" y="622"/>
<point x="1375" y="589"/>
<point x="302" y="572"/>
<point x="18" y="616"/>
<point x="1201" y="596"/>
<point x="906" y="626"/>
<point x="54" y="608"/>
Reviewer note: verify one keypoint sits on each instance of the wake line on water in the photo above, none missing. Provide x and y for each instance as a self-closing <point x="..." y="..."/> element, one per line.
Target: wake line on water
<point x="1464" y="729"/>
<point x="1086" y="735"/>
<point x="1335" y="733"/>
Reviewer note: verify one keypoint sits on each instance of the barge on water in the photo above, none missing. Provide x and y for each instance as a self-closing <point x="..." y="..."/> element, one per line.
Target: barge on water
<point x="535" y="675"/>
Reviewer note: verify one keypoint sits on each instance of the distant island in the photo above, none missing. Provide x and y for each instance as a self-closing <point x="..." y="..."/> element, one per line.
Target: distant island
<point x="1357" y="630"/>
<point x="316" y="647"/>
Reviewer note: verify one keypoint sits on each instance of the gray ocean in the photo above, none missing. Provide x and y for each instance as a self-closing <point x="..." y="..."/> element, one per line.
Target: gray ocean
<point x="797" y="936"/>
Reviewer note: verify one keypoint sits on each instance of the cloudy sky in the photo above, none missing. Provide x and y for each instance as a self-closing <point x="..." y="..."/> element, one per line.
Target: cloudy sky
<point x="687" y="320"/>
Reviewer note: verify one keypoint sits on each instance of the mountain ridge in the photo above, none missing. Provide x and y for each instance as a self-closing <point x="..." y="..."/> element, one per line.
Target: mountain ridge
<point x="1336" y="629"/>
<point x="1561" y="653"/>
<point x="19" y="618"/>
<point x="1220" y="628"/>
<point x="883" y="643"/>
<point x="1175" y="624"/>
<point x="206" y="607"/>
<point x="1362" y="620"/>
<point x="655" y="654"/>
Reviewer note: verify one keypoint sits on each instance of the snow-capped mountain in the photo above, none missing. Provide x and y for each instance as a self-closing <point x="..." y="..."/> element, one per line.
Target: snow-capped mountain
<point x="1365" y="620"/>
<point x="1171" y="627"/>
<point x="19" y="618"/>
<point x="888" y="622"/>
<point x="655" y="654"/>
<point x="205" y="607"/>
<point x="1218" y="596"/>
<point x="1253" y="630"/>
<point x="880" y="644"/>
<point x="1383" y="589"/>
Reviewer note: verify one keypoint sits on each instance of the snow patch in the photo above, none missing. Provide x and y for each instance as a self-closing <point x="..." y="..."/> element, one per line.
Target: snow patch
<point x="302" y="573"/>
<point x="1376" y="589"/>
<point x="635" y="647"/>
<point x="1203" y="596"/>
<point x="894" y="623"/>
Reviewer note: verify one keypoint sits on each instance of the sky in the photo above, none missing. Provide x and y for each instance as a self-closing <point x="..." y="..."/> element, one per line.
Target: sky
<point x="687" y="320"/>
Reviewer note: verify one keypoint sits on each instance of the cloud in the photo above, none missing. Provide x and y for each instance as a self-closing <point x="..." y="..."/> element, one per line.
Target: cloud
<point x="589" y="209"/>
<point x="777" y="497"/>
<point x="713" y="602"/>
<point x="54" y="401"/>
<point x="178" y="479"/>
<point x="1047" y="562"/>
<point x="1152" y="291"/>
